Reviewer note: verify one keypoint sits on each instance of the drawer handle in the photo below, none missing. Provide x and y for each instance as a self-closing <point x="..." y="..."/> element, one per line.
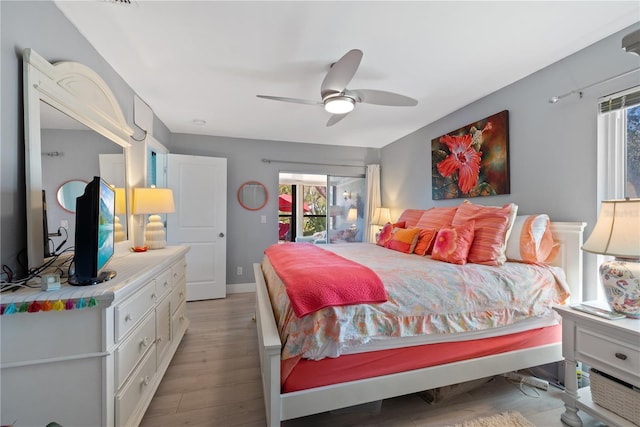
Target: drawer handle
<point x="145" y="381"/>
<point x="128" y="318"/>
<point x="621" y="356"/>
<point x="181" y="294"/>
<point x="153" y="296"/>
<point x="145" y="342"/>
<point x="166" y="284"/>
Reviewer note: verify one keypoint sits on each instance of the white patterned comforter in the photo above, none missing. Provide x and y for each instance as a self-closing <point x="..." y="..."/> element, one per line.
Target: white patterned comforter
<point x="424" y="297"/>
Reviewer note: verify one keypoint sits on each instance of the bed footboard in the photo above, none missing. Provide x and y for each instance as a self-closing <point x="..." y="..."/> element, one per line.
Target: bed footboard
<point x="269" y="346"/>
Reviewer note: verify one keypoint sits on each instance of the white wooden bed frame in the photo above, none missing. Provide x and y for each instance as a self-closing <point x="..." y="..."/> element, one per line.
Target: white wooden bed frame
<point x="283" y="406"/>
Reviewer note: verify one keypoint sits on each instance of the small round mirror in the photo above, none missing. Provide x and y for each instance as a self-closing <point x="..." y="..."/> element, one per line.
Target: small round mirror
<point x="253" y="195"/>
<point x="68" y="192"/>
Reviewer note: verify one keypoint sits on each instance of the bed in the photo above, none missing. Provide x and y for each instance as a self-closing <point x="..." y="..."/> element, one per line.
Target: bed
<point x="293" y="390"/>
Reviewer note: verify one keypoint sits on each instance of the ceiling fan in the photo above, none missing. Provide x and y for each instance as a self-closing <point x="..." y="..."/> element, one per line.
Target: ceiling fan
<point x="340" y="101"/>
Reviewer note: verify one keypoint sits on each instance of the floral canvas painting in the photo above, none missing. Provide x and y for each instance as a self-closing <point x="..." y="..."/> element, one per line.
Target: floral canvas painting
<point x="472" y="161"/>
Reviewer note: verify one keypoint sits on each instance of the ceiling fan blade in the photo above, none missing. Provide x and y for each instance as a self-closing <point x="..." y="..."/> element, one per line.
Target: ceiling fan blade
<point x="295" y="100"/>
<point x="335" y="118"/>
<point x="341" y="73"/>
<point x="381" y="97"/>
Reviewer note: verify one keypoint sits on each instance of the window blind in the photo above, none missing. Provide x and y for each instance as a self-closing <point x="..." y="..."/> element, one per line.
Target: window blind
<point x="620" y="100"/>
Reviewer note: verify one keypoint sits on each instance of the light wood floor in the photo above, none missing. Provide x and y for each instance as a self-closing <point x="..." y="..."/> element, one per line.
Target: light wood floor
<point x="214" y="380"/>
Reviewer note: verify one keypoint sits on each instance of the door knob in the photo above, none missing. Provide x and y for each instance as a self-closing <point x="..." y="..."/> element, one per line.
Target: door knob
<point x="221" y="235"/>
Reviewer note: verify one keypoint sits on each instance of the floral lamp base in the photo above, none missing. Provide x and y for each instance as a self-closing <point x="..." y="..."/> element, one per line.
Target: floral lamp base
<point x="621" y="281"/>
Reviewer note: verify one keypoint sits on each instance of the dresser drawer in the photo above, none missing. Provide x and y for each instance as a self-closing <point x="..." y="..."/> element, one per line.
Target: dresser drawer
<point x="163" y="283"/>
<point x="139" y="385"/>
<point x="178" y="270"/>
<point x="178" y="296"/>
<point x="179" y="322"/>
<point x="133" y="310"/>
<point x="614" y="357"/>
<point x="133" y="348"/>
<point x="163" y="327"/>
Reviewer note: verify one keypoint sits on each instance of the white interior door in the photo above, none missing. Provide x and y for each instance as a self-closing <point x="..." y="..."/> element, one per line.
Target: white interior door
<point x="199" y="187"/>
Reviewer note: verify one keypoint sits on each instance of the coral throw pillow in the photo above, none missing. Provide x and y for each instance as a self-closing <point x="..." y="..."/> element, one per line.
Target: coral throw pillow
<point x="493" y="225"/>
<point x="426" y="236"/>
<point x="452" y="244"/>
<point x="387" y="232"/>
<point x="437" y="217"/>
<point x="530" y="240"/>
<point x="404" y="240"/>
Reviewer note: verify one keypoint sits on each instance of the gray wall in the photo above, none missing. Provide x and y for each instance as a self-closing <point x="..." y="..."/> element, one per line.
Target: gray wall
<point x="246" y="236"/>
<point x="552" y="146"/>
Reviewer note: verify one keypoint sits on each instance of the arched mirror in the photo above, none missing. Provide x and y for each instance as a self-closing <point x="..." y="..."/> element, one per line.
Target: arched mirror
<point x="72" y="121"/>
<point x="253" y="195"/>
<point x="67" y="193"/>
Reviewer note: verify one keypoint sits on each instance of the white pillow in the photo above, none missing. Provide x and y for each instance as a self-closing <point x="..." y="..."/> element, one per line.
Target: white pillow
<point x="530" y="239"/>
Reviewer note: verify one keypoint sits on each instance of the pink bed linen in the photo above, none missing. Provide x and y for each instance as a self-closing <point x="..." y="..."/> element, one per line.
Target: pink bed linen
<point x="309" y="274"/>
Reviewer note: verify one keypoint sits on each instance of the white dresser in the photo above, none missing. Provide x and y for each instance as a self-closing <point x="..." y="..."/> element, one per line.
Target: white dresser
<point x="93" y="355"/>
<point x="611" y="346"/>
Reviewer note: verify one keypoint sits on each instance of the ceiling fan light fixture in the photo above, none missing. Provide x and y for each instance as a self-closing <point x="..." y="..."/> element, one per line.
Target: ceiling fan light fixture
<point x="339" y="104"/>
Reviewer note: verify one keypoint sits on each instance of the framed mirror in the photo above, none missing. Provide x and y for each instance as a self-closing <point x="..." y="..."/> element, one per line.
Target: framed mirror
<point x="79" y="94"/>
<point x="67" y="193"/>
<point x="253" y="195"/>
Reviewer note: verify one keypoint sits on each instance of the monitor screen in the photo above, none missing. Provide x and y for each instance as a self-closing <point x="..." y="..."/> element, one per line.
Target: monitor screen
<point x="106" y="215"/>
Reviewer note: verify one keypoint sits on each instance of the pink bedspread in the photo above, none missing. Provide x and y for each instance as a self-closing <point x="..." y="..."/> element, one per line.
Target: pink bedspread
<point x="316" y="278"/>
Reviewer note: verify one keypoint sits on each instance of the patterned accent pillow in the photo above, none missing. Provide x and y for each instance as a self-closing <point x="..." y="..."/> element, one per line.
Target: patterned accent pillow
<point x="404" y="240"/>
<point x="426" y="237"/>
<point x="530" y="240"/>
<point x="493" y="225"/>
<point x="387" y="232"/>
<point x="452" y="244"/>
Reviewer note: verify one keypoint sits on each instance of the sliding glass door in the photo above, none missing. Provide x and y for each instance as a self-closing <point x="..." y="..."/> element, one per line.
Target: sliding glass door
<point x="321" y="208"/>
<point x="345" y="216"/>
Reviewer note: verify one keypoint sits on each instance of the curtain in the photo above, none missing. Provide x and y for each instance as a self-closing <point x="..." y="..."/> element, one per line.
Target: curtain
<point x="373" y="200"/>
<point x="611" y="155"/>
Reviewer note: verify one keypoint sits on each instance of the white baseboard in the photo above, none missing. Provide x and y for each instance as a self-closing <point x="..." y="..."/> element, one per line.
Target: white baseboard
<point x="240" y="288"/>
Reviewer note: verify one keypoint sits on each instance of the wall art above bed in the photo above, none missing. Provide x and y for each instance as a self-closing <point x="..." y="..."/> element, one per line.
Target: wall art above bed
<point x="472" y="161"/>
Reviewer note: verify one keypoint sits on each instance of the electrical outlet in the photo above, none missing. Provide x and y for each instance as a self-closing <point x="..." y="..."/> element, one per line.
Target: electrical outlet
<point x="263" y="219"/>
<point x="239" y="271"/>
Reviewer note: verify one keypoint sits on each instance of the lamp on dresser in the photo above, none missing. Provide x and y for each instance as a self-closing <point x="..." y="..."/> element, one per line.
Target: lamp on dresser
<point x="617" y="234"/>
<point x="153" y="201"/>
<point x="121" y="209"/>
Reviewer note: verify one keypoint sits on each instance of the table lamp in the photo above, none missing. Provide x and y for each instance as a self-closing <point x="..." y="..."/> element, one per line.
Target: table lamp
<point x="352" y="217"/>
<point x="617" y="234"/>
<point x="120" y="210"/>
<point x="381" y="216"/>
<point x="153" y="201"/>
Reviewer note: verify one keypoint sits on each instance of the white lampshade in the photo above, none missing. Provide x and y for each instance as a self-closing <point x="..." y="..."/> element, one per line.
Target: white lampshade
<point x="121" y="201"/>
<point x="617" y="232"/>
<point x="152" y="201"/>
<point x="381" y="216"/>
<point x="352" y="215"/>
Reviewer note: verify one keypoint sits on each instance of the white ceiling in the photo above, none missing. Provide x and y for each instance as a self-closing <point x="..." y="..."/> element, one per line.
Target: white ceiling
<point x="207" y="60"/>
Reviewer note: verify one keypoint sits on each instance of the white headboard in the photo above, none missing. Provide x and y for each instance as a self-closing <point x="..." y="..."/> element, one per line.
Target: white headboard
<point x="569" y="236"/>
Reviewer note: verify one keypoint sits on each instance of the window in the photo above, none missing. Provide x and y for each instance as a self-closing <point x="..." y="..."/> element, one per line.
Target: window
<point x="619" y="145"/>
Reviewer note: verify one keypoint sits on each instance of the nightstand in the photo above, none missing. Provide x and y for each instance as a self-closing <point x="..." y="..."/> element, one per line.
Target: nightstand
<point x="610" y="346"/>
